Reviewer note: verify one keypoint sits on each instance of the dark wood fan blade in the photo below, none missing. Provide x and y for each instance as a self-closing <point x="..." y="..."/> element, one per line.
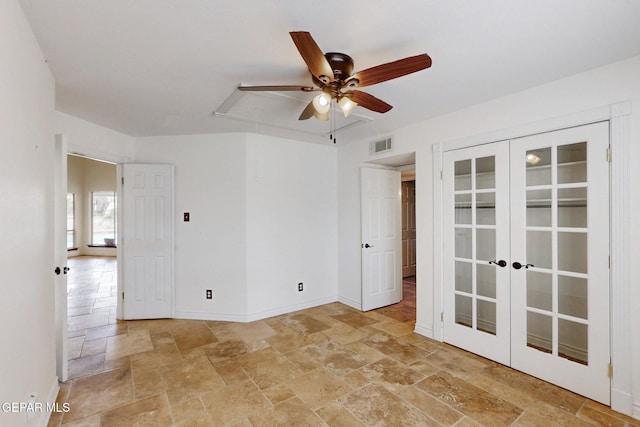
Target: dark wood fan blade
<point x="312" y="55"/>
<point x="368" y="101"/>
<point x="276" y="88"/>
<point x="391" y="70"/>
<point x="307" y="113"/>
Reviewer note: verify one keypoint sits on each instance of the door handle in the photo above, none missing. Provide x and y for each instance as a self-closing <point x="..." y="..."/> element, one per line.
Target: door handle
<point x="518" y="266"/>
<point x="367" y="246"/>
<point x="65" y="270"/>
<point x="501" y="263"/>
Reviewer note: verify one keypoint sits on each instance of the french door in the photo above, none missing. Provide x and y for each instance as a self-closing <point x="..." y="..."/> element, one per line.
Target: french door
<point x="527" y="255"/>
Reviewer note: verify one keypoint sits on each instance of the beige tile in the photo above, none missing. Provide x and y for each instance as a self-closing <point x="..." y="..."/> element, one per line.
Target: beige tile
<point x="95" y="346"/>
<point x="231" y="405"/>
<point x="318" y="388"/>
<point x="190" y="379"/>
<point x="394" y="348"/>
<point x="456" y="362"/>
<point x="392" y="373"/>
<point x="136" y="341"/>
<point x="542" y="414"/>
<point x="268" y="368"/>
<point x="375" y="405"/>
<point x="336" y="415"/>
<point x="292" y="412"/>
<point x="190" y="413"/>
<point x="472" y="401"/>
<point x="97" y="393"/>
<point x="442" y="413"/>
<point x="153" y="411"/>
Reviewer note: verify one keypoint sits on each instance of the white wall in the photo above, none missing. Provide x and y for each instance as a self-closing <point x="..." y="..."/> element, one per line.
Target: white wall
<point x="597" y="88"/>
<point x="94" y="141"/>
<point x="291" y="225"/>
<point x="27" y="349"/>
<point x="210" y="249"/>
<point x="263" y="218"/>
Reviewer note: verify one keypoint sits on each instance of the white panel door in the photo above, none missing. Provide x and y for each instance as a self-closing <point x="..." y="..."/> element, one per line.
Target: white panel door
<point x="381" y="238"/>
<point x="476" y="250"/>
<point x="560" y="235"/>
<point x="148" y="241"/>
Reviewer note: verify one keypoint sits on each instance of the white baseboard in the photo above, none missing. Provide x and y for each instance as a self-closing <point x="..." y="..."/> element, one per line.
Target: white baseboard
<point x="350" y="302"/>
<point x="51" y="399"/>
<point x="425" y="331"/>
<point x="250" y="317"/>
<point x="636" y="411"/>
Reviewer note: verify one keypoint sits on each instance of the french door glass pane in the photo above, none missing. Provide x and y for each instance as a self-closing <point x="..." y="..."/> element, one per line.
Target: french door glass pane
<point x="463" y="242"/>
<point x="463" y="276"/>
<point x="463" y="310"/>
<point x="485" y="172"/>
<point x="539" y="208"/>
<point x="485" y="244"/>
<point x="486" y="316"/>
<point x="573" y="341"/>
<point x="572" y="252"/>
<point x="462" y="171"/>
<point x="486" y="280"/>
<point x="539" y="290"/>
<point x="572" y="207"/>
<point x="539" y="327"/>
<point x="539" y="248"/>
<point x="463" y="208"/>
<point x="572" y="163"/>
<point x="572" y="296"/>
<point x="486" y="208"/>
<point x="538" y="166"/>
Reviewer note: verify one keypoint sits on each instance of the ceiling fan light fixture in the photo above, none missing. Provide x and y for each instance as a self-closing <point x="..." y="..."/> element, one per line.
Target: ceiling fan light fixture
<point x="322" y="103"/>
<point x="347" y="105"/>
<point x="321" y="116"/>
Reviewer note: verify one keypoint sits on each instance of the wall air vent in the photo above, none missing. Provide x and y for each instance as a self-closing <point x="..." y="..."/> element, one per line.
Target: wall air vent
<point x="382" y="146"/>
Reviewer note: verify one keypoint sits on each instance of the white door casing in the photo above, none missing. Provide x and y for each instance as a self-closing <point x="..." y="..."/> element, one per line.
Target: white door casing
<point x="381" y="237"/>
<point x="148" y="241"/>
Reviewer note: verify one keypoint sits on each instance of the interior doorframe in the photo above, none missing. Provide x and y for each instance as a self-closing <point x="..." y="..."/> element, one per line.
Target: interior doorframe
<point x="619" y="117"/>
<point x="77" y="150"/>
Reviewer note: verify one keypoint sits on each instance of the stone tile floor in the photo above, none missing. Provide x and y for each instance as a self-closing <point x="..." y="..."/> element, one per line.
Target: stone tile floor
<point x="328" y="365"/>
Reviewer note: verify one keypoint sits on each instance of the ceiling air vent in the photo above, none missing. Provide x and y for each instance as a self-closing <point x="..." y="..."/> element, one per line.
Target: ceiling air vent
<point x="381" y="146"/>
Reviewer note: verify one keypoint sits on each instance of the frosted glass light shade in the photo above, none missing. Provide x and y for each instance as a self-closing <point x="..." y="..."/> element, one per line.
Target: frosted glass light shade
<point x="322" y="103"/>
<point x="347" y="105"/>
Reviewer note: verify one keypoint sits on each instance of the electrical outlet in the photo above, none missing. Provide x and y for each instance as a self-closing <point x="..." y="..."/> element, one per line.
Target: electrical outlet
<point x="209" y="294"/>
<point x="186" y="217"/>
<point x="300" y="287"/>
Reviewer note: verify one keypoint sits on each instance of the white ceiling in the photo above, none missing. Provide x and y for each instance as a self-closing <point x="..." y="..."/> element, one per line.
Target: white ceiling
<point x="161" y="67"/>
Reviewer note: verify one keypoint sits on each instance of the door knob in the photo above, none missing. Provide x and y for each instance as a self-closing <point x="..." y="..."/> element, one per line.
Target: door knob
<point x="57" y="270"/>
<point x="366" y="245"/>
<point x="501" y="263"/>
<point x="518" y="266"/>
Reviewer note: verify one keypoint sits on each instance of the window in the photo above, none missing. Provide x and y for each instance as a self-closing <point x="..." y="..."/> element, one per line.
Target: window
<point x="71" y="220"/>
<point x="103" y="218"/>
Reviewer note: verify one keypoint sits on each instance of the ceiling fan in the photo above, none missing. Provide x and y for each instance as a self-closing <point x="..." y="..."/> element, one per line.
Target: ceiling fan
<point x="331" y="74"/>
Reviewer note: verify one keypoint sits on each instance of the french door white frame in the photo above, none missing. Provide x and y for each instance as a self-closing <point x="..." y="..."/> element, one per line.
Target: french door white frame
<point x="619" y="117"/>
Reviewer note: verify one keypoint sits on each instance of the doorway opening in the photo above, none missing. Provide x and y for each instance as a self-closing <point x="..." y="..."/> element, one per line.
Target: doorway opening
<point x="405" y="309"/>
<point x="92" y="288"/>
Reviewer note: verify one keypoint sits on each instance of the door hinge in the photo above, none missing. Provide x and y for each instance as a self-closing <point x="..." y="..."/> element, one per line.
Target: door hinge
<point x="609" y="154"/>
<point x="441" y="175"/>
<point x="442" y="316"/>
<point x="610" y="370"/>
<point x="122" y="180"/>
<point x="123" y="296"/>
